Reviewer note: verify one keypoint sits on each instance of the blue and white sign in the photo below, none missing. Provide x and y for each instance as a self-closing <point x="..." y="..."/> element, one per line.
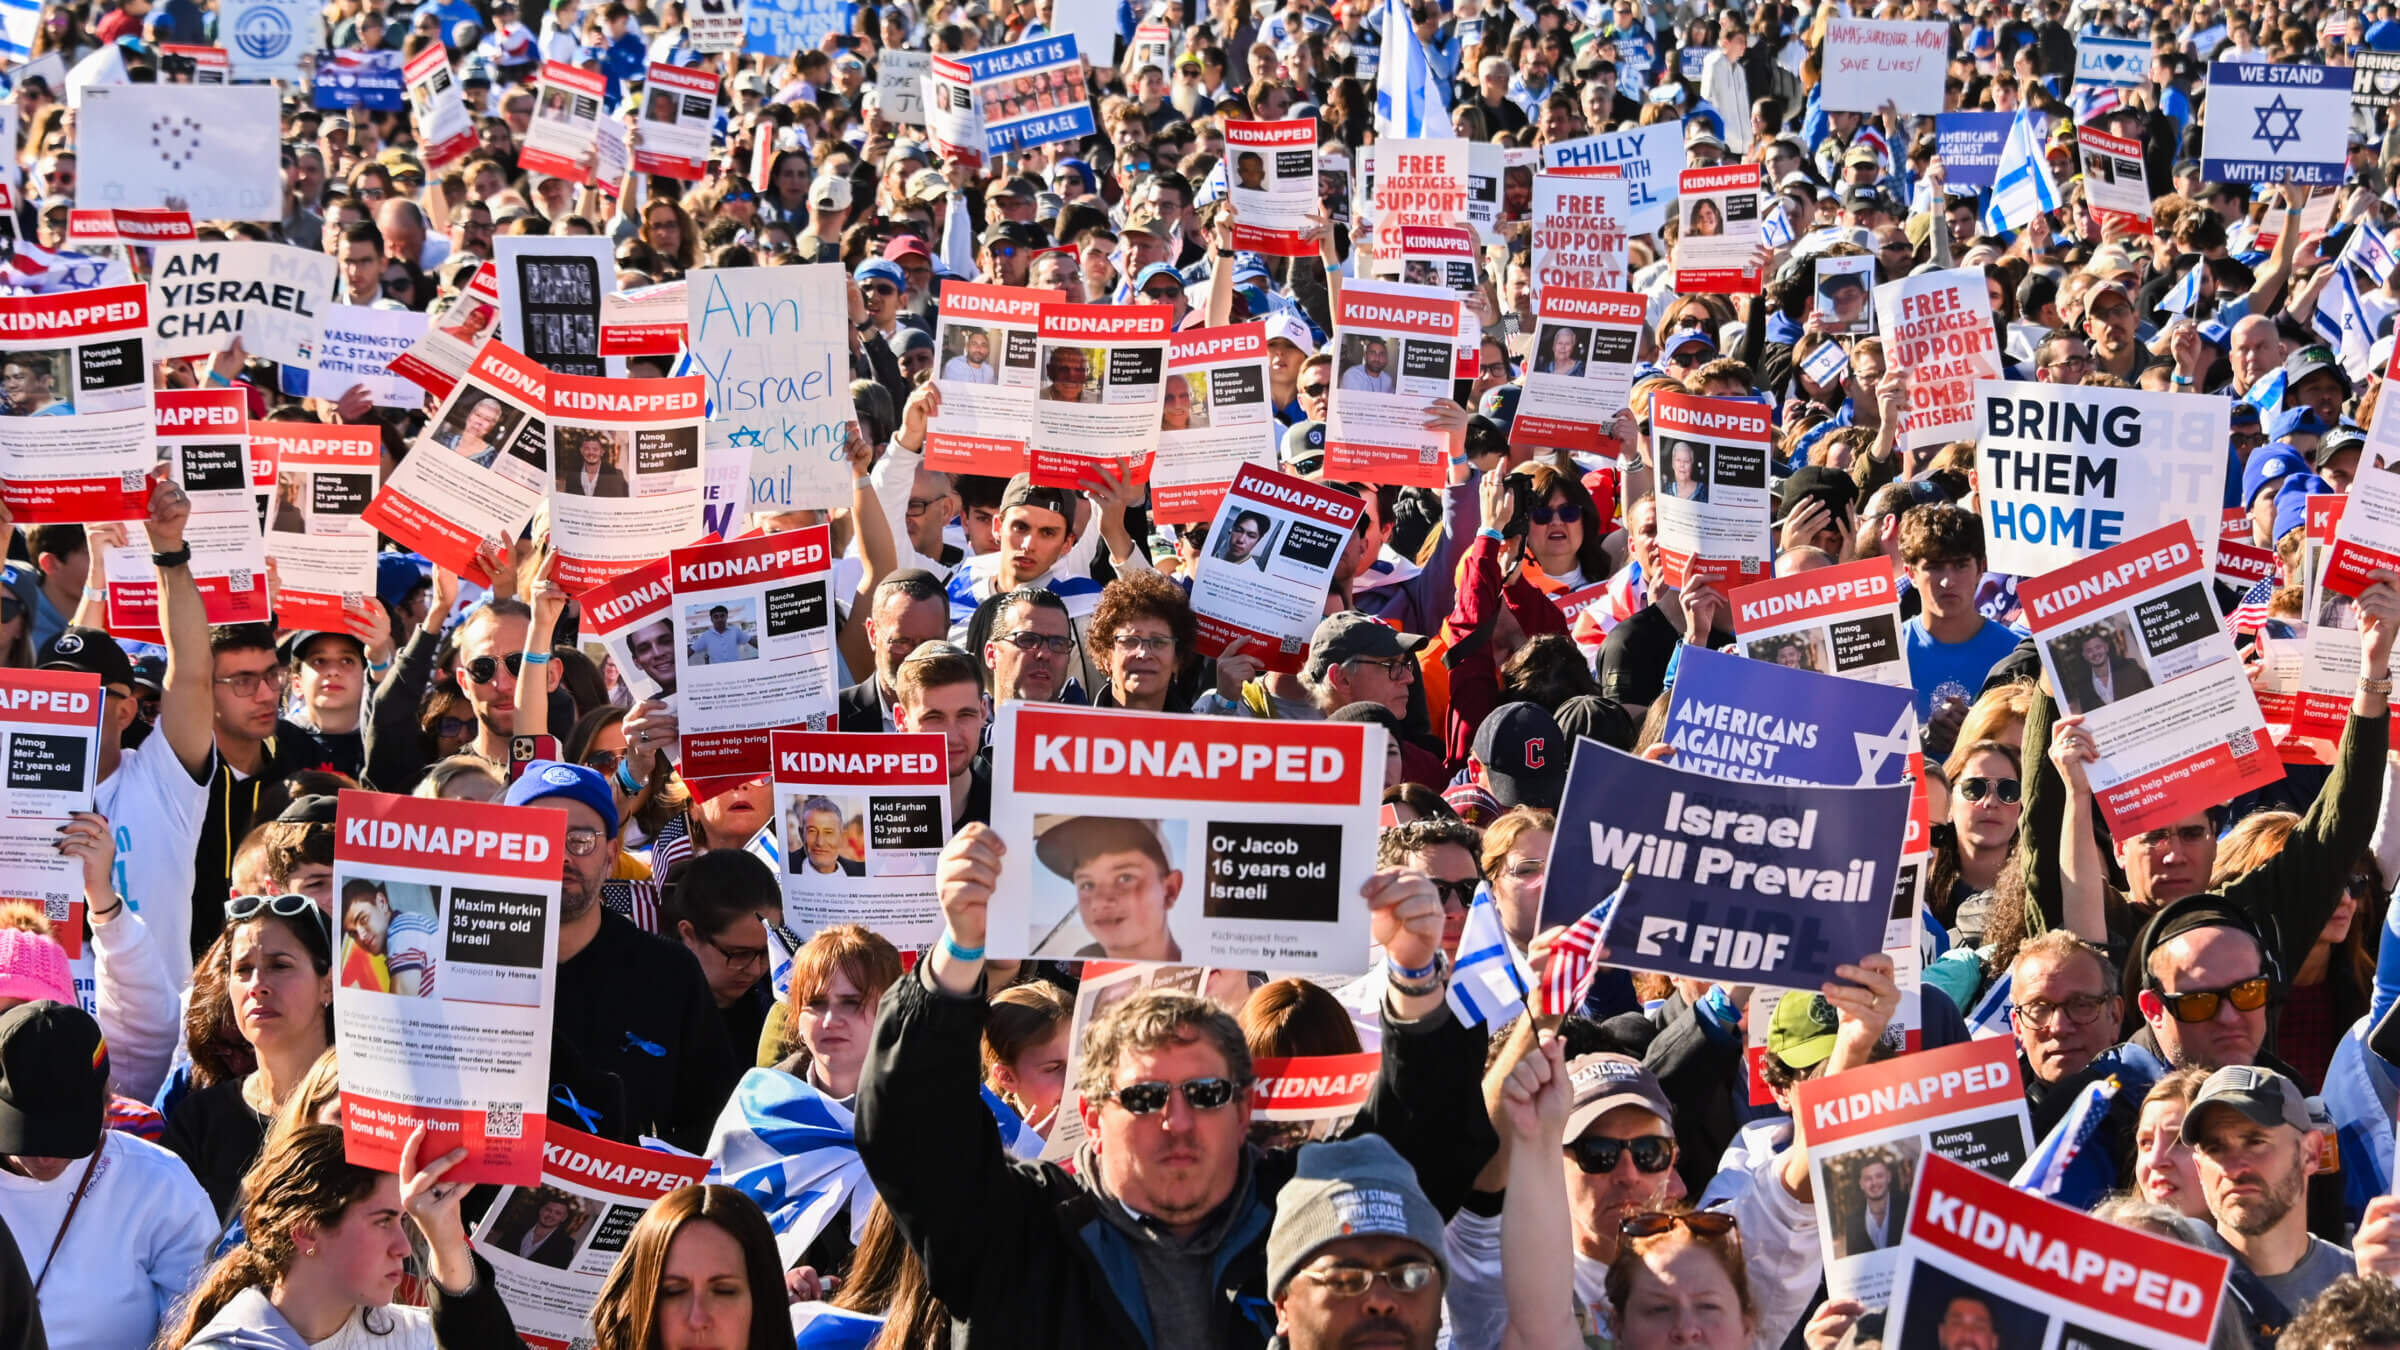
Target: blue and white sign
<point x="269" y="39"/>
<point x="781" y="27"/>
<point x="1741" y="882"/>
<point x="1650" y="159"/>
<point x="354" y="79"/>
<point x="1779" y="721"/>
<point x="2111" y="63"/>
<point x="2276" y="124"/>
<point x="770" y="343"/>
<point x="1970" y="147"/>
<point x="1026" y="95"/>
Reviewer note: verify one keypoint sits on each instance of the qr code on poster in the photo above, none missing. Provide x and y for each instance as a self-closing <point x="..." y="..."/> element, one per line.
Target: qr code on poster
<point x="2243" y="744"/>
<point x="240" y="579"/>
<point x="57" y="908"/>
<point x="504" y="1120"/>
<point x="132" y="480"/>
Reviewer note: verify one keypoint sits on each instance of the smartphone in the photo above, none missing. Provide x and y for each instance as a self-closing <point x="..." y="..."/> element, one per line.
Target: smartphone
<point x="524" y="750"/>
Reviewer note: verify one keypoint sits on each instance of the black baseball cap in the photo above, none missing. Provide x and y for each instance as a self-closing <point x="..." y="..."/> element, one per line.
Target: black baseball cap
<point x="1021" y="491"/>
<point x="92" y="652"/>
<point x="1524" y="756"/>
<point x="2262" y="1095"/>
<point x="294" y="644"/>
<point x="53" y="1081"/>
<point x="1828" y="485"/>
<point x="1350" y="635"/>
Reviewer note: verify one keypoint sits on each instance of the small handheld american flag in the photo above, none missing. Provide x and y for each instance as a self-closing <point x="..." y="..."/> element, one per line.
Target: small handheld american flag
<point x="1573" y="959"/>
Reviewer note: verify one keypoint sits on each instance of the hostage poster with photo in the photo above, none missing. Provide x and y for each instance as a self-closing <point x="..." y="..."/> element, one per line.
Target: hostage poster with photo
<point x="632" y="616"/>
<point x="862" y="817"/>
<point x="448" y="913"/>
<point x="1214" y="420"/>
<point x="756" y="653"/>
<point x="1938" y="327"/>
<point x="988" y="367"/>
<point x="436" y="360"/>
<point x="1103" y="374"/>
<point x="1739" y="882"/>
<point x="77" y="445"/>
<point x="204" y="444"/>
<point x="1720" y="246"/>
<point x="679" y="115"/>
<point x="1273" y="184"/>
<point x="1840" y="620"/>
<point x="1268" y="565"/>
<point x="317" y="534"/>
<point x="1870" y="1130"/>
<point x="445" y="133"/>
<point x="1981" y="1261"/>
<point x="1845" y="288"/>
<point x="564" y="141"/>
<point x="625" y="487"/>
<point x="1584" y="347"/>
<point x="552" y="1242"/>
<point x="1176" y="838"/>
<point x="480" y="469"/>
<point x="1395" y="354"/>
<point x="2069" y="470"/>
<point x="49" y="749"/>
<point x="2132" y="640"/>
<point x="1713" y="502"/>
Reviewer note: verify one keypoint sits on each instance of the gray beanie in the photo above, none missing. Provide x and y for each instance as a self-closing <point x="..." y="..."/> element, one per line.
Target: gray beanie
<point x="1348" y="1188"/>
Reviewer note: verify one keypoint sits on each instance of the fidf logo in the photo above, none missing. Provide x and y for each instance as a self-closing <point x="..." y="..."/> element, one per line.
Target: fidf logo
<point x="263" y="33"/>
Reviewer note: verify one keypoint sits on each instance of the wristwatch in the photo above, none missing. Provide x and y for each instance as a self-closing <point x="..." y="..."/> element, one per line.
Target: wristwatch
<point x="181" y="555"/>
<point x="2381" y="688"/>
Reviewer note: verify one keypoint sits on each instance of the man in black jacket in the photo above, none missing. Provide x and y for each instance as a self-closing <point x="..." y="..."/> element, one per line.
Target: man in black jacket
<point x="1159" y="1236"/>
<point x="908" y="608"/>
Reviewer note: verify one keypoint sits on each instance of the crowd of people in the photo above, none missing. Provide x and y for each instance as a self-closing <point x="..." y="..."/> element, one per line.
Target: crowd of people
<point x="173" y="1170"/>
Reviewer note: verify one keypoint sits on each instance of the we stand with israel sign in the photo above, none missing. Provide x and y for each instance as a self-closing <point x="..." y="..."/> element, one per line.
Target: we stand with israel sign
<point x="2276" y="124"/>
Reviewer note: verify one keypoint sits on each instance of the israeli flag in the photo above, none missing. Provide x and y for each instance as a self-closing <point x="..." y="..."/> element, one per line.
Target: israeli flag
<point x="1488" y="983"/>
<point x="2046" y="1171"/>
<point x="2267" y="395"/>
<point x="1410" y="102"/>
<point x="2023" y="187"/>
<point x="2186" y="294"/>
<point x="2370" y="251"/>
<point x="20" y="20"/>
<point x="821" y="1326"/>
<point x="1989" y="1017"/>
<point x="2342" y="320"/>
<point x="1776" y="230"/>
<point x="779" y="963"/>
<point x="794" y="1151"/>
<point x="1213" y="189"/>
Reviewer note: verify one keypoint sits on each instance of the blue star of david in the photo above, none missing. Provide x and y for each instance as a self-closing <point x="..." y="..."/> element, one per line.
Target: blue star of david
<point x="2276" y="140"/>
<point x="745" y="436"/>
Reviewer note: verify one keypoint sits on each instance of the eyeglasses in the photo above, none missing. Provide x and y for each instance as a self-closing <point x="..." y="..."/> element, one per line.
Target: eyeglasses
<point x="1976" y="789"/>
<point x="1149" y="1097"/>
<point x="2200" y="1005"/>
<point x="2068" y="363"/>
<point x="248" y="683"/>
<point x="2362" y="885"/>
<point x="1707" y="1223"/>
<point x="1396" y="668"/>
<point x="1567" y="513"/>
<point x="453" y="726"/>
<point x="1027" y="640"/>
<point x="1459" y="893"/>
<point x="581" y="841"/>
<point x="1409" y="1277"/>
<point x="1314" y="389"/>
<point x="2081" y="1009"/>
<point x="1595" y="1154"/>
<point x="2190" y="836"/>
<point x="485" y="669"/>
<point x="918" y="506"/>
<point x="739" y="958"/>
<point x="602" y="762"/>
<point x="1136" y="644"/>
<point x="1689" y="356"/>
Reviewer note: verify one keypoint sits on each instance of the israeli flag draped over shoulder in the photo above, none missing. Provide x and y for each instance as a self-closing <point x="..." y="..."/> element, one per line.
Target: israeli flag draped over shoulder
<point x="2023" y="187"/>
<point x="1410" y="102"/>
<point x="794" y="1150"/>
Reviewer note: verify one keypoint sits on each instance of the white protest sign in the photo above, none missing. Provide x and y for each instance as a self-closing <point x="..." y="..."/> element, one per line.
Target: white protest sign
<point x="210" y="150"/>
<point x="2111" y="63"/>
<point x="770" y="342"/>
<point x="271" y="296"/>
<point x="2276" y="123"/>
<point x="2067" y="471"/>
<point x="1578" y="232"/>
<point x="1650" y="159"/>
<point x="900" y="84"/>
<point x="1872" y="62"/>
<point x="357" y="347"/>
<point x="270" y="39"/>
<point x="1938" y="327"/>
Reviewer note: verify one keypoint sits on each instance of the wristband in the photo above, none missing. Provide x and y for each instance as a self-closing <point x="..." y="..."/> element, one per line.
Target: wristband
<point x="537" y="658"/>
<point x="2181" y="381"/>
<point x="958" y="953"/>
<point x="625" y="776"/>
<point x="181" y="556"/>
<point x="95" y="592"/>
<point x="2381" y="688"/>
<point x="91" y="913"/>
<point x="1494" y="535"/>
<point x="1416" y="975"/>
<point x="373" y="669"/>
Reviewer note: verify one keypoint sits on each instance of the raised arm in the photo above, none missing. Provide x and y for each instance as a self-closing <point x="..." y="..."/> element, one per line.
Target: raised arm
<point x="186" y="705"/>
<point x="1537" y="1246"/>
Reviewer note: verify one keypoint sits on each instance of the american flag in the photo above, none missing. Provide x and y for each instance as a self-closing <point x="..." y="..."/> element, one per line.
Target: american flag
<point x="1568" y="977"/>
<point x="2250" y="616"/>
<point x="2045" y="1172"/>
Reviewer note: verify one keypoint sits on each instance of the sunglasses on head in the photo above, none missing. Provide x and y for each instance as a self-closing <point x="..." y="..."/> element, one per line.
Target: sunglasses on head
<point x="1149" y="1097"/>
<point x="485" y="669"/>
<point x="1976" y="789"/>
<point x="1707" y="1223"/>
<point x="2200" y="1005"/>
<point x="1594" y="1154"/>
<point x="289" y="905"/>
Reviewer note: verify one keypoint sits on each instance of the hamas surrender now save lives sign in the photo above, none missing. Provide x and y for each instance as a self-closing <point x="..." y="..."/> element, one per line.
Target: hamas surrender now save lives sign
<point x="1745" y="882"/>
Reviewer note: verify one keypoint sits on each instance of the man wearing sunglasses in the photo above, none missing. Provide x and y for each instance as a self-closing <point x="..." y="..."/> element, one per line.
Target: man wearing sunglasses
<point x="1161" y="1234"/>
<point x="491" y="656"/>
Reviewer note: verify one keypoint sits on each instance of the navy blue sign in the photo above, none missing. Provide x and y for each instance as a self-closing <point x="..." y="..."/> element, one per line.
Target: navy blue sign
<point x="1970" y="146"/>
<point x="1744" y="883"/>
<point x="1776" y="720"/>
<point x="369" y="80"/>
